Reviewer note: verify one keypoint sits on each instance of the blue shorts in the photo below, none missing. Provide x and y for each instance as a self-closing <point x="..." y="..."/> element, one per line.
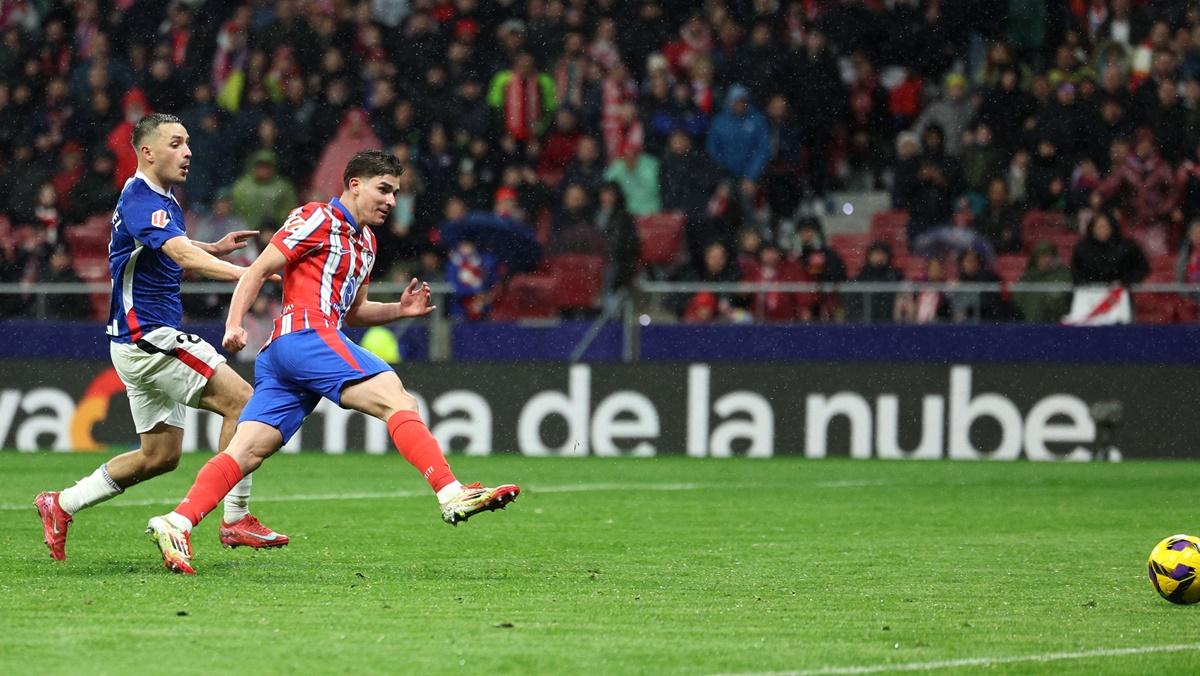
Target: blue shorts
<point x="296" y="370"/>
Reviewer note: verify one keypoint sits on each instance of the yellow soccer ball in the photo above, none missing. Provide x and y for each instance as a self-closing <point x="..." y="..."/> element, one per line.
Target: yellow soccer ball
<point x="1174" y="564"/>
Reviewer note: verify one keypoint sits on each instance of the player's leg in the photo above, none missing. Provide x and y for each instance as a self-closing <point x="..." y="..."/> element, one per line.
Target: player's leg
<point x="273" y="414"/>
<point x="227" y="394"/>
<point x="253" y="442"/>
<point x="159" y="423"/>
<point x="383" y="396"/>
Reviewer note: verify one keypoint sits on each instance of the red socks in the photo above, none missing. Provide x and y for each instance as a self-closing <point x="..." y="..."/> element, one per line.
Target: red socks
<point x="417" y="445"/>
<point x="215" y="479"/>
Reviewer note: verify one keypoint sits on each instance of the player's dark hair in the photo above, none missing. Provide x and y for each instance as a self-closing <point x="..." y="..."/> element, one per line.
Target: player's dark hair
<point x="149" y="124"/>
<point x="371" y="163"/>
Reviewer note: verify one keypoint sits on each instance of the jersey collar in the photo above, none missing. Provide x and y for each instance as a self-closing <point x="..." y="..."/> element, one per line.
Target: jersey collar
<point x="152" y="184"/>
<point x="337" y="204"/>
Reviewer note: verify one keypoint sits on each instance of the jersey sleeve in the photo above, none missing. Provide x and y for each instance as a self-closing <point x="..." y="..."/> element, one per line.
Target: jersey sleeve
<point x="152" y="224"/>
<point x="306" y="231"/>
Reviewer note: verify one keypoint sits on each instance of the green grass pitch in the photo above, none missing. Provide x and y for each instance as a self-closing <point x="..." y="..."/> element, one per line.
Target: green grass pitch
<point x="666" y="565"/>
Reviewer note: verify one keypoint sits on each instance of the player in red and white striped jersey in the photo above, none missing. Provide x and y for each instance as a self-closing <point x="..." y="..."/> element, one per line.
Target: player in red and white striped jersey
<point x="326" y="251"/>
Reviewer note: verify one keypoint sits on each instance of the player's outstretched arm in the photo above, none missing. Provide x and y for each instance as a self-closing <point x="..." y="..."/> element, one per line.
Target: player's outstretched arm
<point x="194" y="259"/>
<point x="231" y="242"/>
<point x="414" y="302"/>
<point x="264" y="267"/>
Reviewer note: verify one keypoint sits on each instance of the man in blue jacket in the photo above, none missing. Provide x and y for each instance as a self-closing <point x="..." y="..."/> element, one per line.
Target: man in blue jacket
<point x="739" y="141"/>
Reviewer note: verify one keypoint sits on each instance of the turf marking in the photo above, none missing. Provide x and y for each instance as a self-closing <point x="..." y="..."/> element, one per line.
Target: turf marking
<point x="987" y="661"/>
<point x="389" y="495"/>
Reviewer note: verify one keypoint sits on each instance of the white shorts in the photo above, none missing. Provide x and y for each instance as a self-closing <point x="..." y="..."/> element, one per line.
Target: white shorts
<point x="163" y="372"/>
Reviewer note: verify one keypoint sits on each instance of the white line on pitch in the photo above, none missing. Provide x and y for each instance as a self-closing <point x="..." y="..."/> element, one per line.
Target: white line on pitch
<point x="986" y="661"/>
<point x="311" y="497"/>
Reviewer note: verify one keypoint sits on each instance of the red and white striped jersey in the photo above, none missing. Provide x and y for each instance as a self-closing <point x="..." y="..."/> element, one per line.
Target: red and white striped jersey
<point x="329" y="258"/>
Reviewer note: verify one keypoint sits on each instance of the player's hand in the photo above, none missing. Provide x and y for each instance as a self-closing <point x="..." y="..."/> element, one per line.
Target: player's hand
<point x="234" y="241"/>
<point x="234" y="340"/>
<point x="416" y="300"/>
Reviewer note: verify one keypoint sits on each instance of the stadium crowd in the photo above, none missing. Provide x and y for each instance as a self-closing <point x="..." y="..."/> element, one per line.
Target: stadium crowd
<point x="1043" y="140"/>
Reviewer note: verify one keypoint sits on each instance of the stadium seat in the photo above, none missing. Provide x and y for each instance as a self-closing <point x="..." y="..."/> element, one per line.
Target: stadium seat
<point x="526" y="296"/>
<point x="891" y="228"/>
<point x="1156" y="308"/>
<point x="661" y="237"/>
<point x="852" y="247"/>
<point x="1010" y="267"/>
<point x="580" y="279"/>
<point x="1039" y="225"/>
<point x="913" y="267"/>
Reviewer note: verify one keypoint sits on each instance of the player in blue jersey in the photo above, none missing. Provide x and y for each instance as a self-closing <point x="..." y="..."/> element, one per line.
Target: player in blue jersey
<point x="163" y="368"/>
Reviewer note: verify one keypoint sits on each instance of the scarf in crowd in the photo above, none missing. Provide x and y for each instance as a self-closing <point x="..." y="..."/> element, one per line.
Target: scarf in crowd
<point x="522" y="106"/>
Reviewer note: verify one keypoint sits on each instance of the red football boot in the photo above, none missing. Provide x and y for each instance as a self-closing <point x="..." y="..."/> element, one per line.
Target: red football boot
<point x="249" y="532"/>
<point x="476" y="498"/>
<point x="54" y="524"/>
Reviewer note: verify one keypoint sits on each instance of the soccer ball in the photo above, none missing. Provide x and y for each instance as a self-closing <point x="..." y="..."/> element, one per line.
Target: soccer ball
<point x="1174" y="564"/>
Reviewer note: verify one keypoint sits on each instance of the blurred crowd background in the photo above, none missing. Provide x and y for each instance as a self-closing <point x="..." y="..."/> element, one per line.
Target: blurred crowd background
<point x="1043" y="140"/>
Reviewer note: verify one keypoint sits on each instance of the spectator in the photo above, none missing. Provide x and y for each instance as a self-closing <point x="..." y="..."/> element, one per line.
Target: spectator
<point x="473" y="275"/>
<point x="524" y="97"/>
<point x="778" y="306"/>
<point x="587" y="168"/>
<point x="623" y="247"/>
<point x="1044" y="267"/>
<point x="58" y="270"/>
<point x="572" y="228"/>
<point x="261" y="196"/>
<point x="878" y="306"/>
<point x="221" y="221"/>
<point x="407" y="231"/>
<point x="560" y="146"/>
<point x="1007" y="109"/>
<point x="1047" y="187"/>
<point x="740" y="141"/>
<point x="1187" y="263"/>
<point x="707" y="306"/>
<point x="821" y="263"/>
<point x="1141" y="187"/>
<point x="353" y="136"/>
<point x="637" y="174"/>
<point x="926" y="306"/>
<point x="95" y="194"/>
<point x="868" y="121"/>
<point x="952" y="112"/>
<point x="982" y="160"/>
<point x="687" y="178"/>
<point x="815" y="90"/>
<point x="1105" y="257"/>
<point x="978" y="306"/>
<point x="1000" y="221"/>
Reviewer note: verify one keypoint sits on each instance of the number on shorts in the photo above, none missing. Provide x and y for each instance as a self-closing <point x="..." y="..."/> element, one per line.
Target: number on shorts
<point x="187" y="338"/>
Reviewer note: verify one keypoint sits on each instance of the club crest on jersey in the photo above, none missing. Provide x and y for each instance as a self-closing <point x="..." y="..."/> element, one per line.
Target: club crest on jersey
<point x="159" y="219"/>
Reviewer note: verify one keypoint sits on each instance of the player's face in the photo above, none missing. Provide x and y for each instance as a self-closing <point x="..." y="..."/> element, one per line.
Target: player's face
<point x="172" y="156"/>
<point x="376" y="197"/>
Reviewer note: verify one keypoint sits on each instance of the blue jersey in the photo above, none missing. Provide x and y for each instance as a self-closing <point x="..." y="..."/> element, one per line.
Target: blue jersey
<point x="145" y="280"/>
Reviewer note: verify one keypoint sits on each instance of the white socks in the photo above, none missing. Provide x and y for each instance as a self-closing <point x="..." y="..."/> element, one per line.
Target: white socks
<point x="90" y="490"/>
<point x="449" y="491"/>
<point x="237" y="501"/>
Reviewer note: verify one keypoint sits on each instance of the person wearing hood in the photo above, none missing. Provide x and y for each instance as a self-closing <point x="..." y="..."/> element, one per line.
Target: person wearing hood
<point x="261" y="195"/>
<point x="1044" y="267"/>
<point x="952" y="112"/>
<point x="1105" y="257"/>
<point x="739" y="140"/>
